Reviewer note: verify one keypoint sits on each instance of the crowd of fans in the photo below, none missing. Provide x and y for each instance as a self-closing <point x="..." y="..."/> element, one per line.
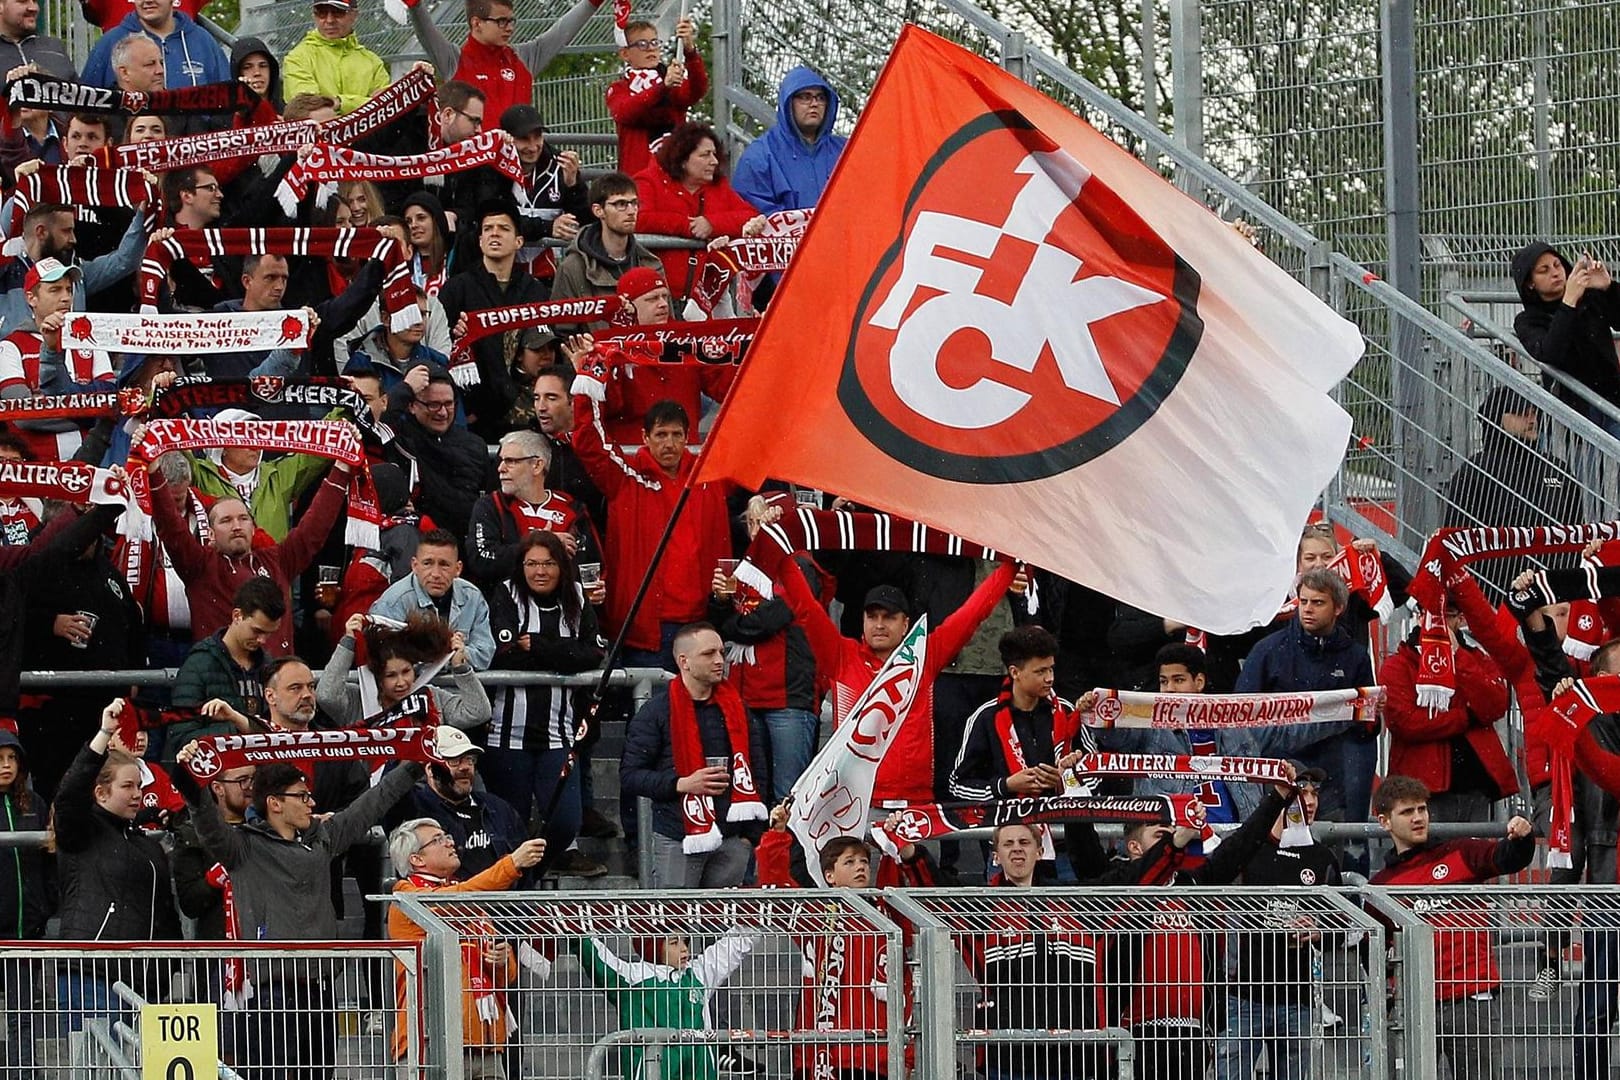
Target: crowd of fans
<point x="520" y="514"/>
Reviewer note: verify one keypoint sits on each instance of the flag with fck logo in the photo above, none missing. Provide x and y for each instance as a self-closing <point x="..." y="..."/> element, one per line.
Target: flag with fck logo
<point x="1003" y="325"/>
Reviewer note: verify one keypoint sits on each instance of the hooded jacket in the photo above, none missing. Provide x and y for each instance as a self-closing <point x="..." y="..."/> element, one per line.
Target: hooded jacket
<point x="778" y="170"/>
<point x="246" y="47"/>
<point x="27" y="886"/>
<point x="343" y="69"/>
<point x="1575" y="340"/>
<point x="586" y="269"/>
<point x="191" y="56"/>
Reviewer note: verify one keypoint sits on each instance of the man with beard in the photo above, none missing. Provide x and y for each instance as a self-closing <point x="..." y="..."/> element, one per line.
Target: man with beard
<point x="48" y="232"/>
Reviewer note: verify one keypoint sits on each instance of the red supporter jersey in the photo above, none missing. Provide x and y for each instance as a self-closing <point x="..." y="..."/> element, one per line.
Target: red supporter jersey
<point x="19" y="366"/>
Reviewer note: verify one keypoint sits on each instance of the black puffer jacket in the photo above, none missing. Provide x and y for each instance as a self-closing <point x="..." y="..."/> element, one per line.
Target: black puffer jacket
<point x="1575" y="340"/>
<point x="115" y="876"/>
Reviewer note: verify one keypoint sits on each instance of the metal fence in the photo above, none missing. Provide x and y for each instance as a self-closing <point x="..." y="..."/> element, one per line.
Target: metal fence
<point x="666" y="984"/>
<point x="1466" y="962"/>
<point x="1147" y="982"/>
<point x="101" y="1009"/>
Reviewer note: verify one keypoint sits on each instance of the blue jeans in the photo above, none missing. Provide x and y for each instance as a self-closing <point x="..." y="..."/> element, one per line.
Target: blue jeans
<point x="528" y="779"/>
<point x="1283" y="1029"/>
<point x="793" y="743"/>
<point x="81" y="995"/>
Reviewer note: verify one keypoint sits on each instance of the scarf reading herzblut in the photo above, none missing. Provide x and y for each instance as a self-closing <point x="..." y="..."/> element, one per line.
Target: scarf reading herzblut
<point x="697" y="811"/>
<point x="218" y="753"/>
<point x="334" y="164"/>
<point x="254" y="392"/>
<point x="201" y="245"/>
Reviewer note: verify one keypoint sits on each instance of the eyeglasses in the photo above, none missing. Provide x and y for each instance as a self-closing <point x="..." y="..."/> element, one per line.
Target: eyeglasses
<point x="622" y="204"/>
<point x="549" y="564"/>
<point x="811" y="95"/>
<point x="475" y="121"/>
<point x="514" y="460"/>
<point x="442" y="838"/>
<point x="437" y="406"/>
<point x="505" y="22"/>
<point x="645" y="43"/>
<point x="304" y="797"/>
<point x="206" y="187"/>
<point x="244" y="783"/>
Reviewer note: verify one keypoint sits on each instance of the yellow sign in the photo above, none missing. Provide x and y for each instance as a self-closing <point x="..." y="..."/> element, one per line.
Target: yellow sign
<point x="179" y="1042"/>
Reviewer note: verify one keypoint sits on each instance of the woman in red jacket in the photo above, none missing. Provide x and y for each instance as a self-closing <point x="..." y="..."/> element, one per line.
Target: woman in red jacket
<point x="684" y="192"/>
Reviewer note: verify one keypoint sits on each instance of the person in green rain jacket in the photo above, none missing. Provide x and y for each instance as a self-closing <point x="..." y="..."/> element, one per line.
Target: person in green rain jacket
<point x="673" y="993"/>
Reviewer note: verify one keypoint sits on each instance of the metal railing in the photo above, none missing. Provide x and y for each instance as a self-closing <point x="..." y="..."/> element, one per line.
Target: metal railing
<point x="78" y="1006"/>
<point x="595" y="972"/>
<point x="1469" y="986"/>
<point x="1143" y="971"/>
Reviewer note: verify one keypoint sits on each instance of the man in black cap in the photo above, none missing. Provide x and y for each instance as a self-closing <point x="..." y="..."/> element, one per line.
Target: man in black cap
<point x="552" y="197"/>
<point x="494" y="280"/>
<point x="1509" y="481"/>
<point x="1269" y="995"/>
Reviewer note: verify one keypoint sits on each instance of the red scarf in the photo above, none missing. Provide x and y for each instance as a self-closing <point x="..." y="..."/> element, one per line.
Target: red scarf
<point x="1444" y="556"/>
<point x="76" y="185"/>
<point x="1363" y="573"/>
<point x="126" y="402"/>
<point x="387" y="105"/>
<point x="217" y="753"/>
<point x="1571" y="712"/>
<point x="697" y="811"/>
<point x="238" y="988"/>
<point x="483" y="323"/>
<point x="68" y="481"/>
<point x="926" y="821"/>
<point x="1065" y="726"/>
<point x="716" y="341"/>
<point x="333" y="439"/>
<point x="199" y="246"/>
<point x="334" y="164"/>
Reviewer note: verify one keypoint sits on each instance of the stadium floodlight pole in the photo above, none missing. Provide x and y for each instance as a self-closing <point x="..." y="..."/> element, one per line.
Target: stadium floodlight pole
<point x="611" y="660"/>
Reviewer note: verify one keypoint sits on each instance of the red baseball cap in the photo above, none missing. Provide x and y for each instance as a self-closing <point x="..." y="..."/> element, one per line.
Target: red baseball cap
<point x="639" y="281"/>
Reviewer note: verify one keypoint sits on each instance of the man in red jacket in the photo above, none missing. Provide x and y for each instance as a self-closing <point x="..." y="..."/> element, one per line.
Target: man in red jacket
<point x="1455" y="751"/>
<point x="1466" y="978"/>
<point x="650" y="99"/>
<point x="214" y="572"/>
<point x="641" y="492"/>
<point x="907" y="771"/>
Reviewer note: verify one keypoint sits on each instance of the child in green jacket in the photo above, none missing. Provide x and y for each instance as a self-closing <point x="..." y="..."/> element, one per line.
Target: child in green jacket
<point x="673" y="993"/>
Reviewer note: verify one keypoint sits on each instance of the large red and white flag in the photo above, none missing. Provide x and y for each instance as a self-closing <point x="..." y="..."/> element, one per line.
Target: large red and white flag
<point x="1003" y="325"/>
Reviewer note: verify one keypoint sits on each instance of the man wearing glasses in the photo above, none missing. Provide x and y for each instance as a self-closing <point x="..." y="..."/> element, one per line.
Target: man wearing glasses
<point x="489" y="60"/>
<point x="607" y="249"/>
<point x="788" y="166"/>
<point x="280" y="868"/>
<point x="651" y="98"/>
<point x="446" y="462"/>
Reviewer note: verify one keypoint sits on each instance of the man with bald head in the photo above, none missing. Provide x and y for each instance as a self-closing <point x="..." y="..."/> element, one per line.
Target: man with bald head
<point x="213" y="571"/>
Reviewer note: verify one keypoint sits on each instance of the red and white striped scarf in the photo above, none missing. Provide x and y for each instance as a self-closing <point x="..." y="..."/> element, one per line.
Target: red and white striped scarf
<point x="335" y="164"/>
<point x="77" y="185"/>
<point x="198" y="246"/>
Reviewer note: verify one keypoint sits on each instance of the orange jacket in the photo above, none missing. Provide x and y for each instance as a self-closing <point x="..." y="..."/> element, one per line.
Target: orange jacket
<point x="476" y="1032"/>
